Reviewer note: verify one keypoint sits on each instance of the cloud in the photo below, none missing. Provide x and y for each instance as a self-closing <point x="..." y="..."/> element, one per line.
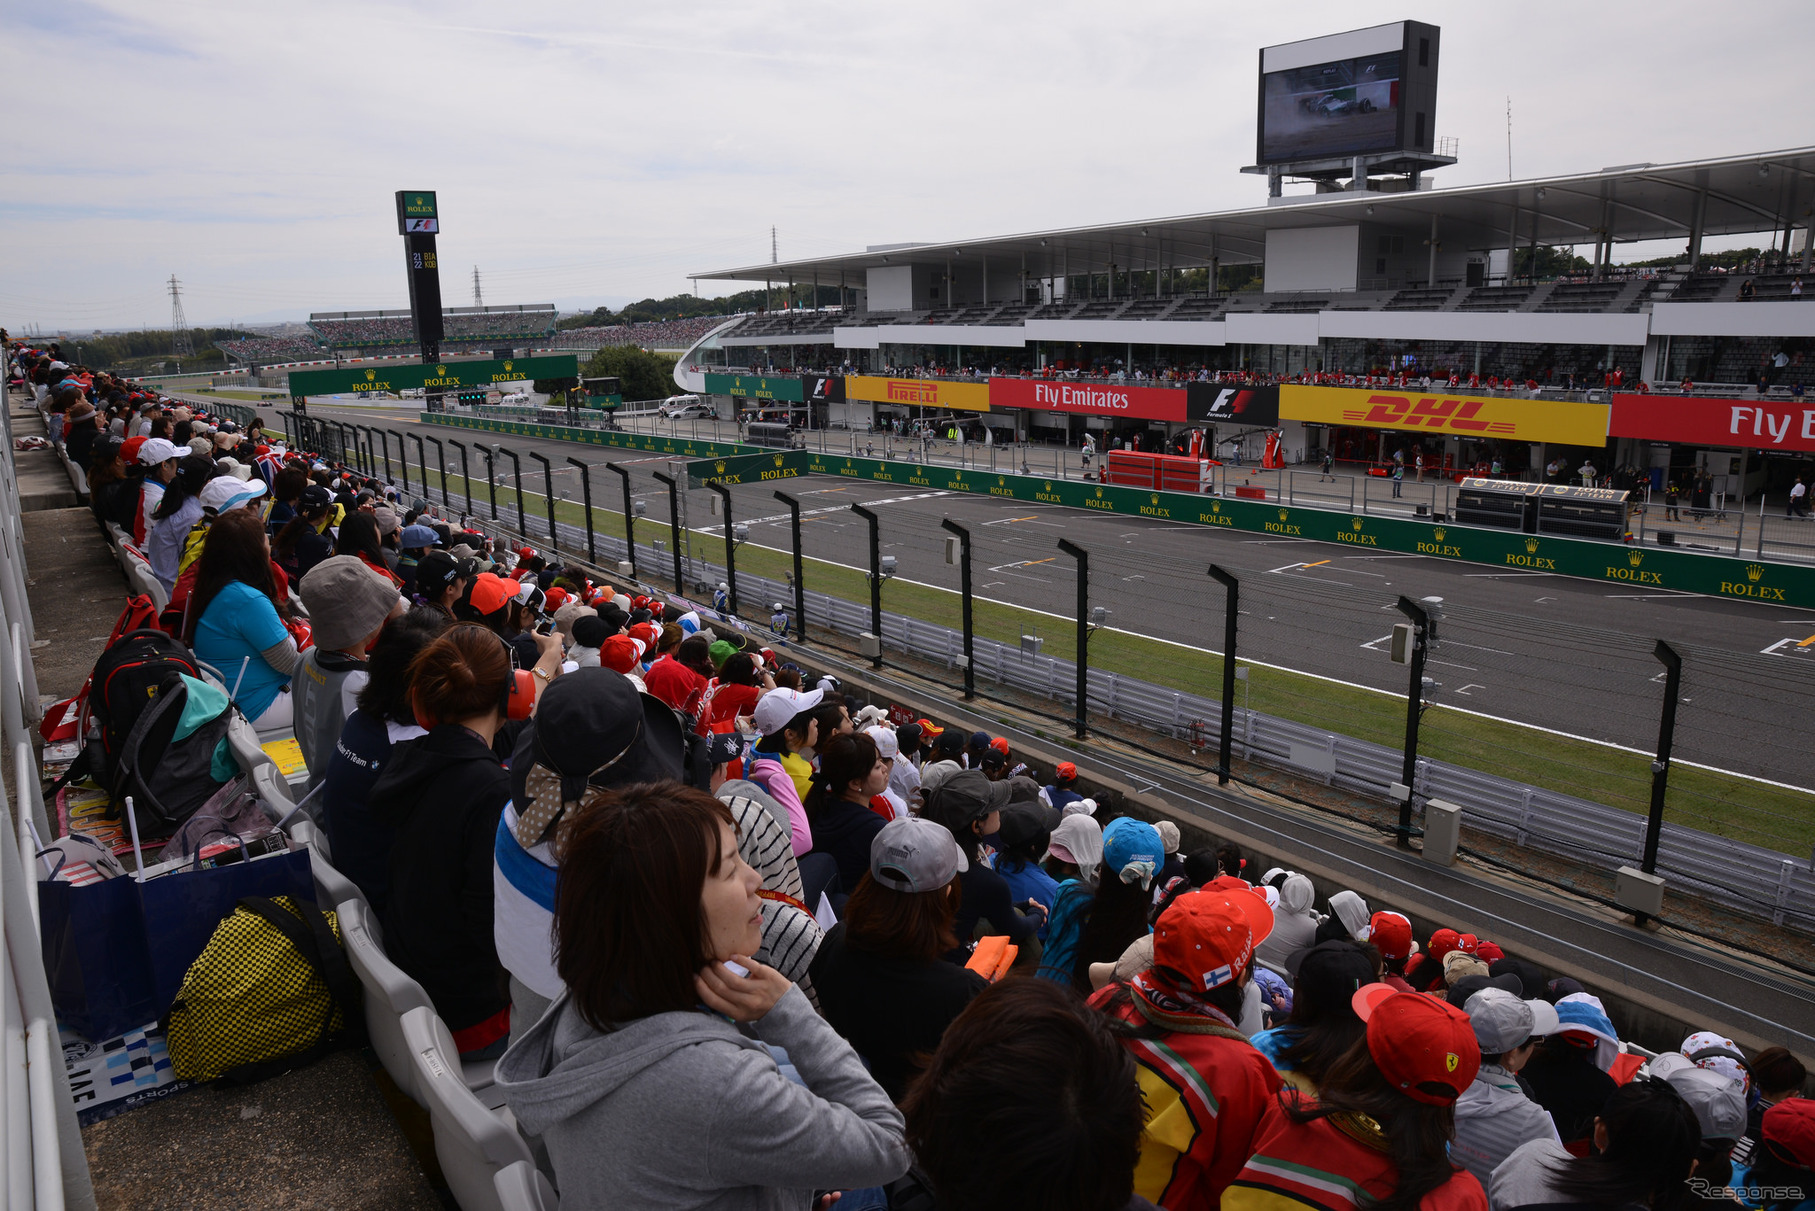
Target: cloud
<point x="586" y="151"/>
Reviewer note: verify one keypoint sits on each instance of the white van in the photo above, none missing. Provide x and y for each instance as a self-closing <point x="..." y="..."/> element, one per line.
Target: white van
<point x="682" y="406"/>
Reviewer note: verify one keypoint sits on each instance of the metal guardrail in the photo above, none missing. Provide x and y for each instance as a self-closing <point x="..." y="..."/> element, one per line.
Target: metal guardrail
<point x="1760" y="882"/>
<point x="45" y="1166"/>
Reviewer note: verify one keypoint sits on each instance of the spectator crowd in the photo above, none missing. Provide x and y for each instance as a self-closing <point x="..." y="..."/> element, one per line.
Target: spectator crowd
<point x="737" y="938"/>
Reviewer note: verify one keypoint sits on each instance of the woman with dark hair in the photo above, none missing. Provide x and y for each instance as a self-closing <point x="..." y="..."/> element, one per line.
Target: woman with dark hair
<point x="662" y="1042"/>
<point x="992" y="1121"/>
<point x="851" y="773"/>
<point x="286" y="489"/>
<point x="970" y="807"/>
<point x="442" y="794"/>
<point x="1323" y="1026"/>
<point x="236" y="622"/>
<point x="739" y="684"/>
<point x="1378" y="1133"/>
<point x="112" y="493"/>
<point x="180" y="508"/>
<point x="1645" y="1141"/>
<point x="359" y="537"/>
<point x="360" y="842"/>
<point x="881" y="980"/>
<point x="1117" y="913"/>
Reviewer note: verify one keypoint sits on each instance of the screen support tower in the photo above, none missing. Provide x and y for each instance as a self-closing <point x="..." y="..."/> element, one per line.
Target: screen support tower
<point x="419" y="222"/>
<point x="1382" y="171"/>
<point x="181" y="345"/>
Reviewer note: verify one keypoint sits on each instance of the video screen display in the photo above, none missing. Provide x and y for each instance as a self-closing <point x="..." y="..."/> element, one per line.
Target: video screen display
<point x="1341" y="108"/>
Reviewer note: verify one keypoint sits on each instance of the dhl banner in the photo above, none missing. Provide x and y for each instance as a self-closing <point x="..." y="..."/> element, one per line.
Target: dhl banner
<point x="919" y="392"/>
<point x="1534" y="420"/>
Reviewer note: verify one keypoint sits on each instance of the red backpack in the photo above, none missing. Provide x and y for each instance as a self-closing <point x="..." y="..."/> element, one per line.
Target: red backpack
<point x="63" y="721"/>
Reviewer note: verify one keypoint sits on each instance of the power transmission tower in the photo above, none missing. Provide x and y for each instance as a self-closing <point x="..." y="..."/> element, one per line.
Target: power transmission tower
<point x="180" y="344"/>
<point x="478" y="298"/>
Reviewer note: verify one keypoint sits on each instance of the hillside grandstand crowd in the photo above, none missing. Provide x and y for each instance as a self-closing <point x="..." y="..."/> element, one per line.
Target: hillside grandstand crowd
<point x="738" y="938"/>
<point x="662" y="334"/>
<point x="353" y="332"/>
<point x="263" y="350"/>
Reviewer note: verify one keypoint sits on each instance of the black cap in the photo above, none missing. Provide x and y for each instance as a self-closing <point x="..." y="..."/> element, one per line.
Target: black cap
<point x="592" y="727"/>
<point x="314" y="496"/>
<point x="590" y="631"/>
<point x="436" y="570"/>
<point x="1023" y="823"/>
<point x="1468" y="986"/>
<point x="967" y="795"/>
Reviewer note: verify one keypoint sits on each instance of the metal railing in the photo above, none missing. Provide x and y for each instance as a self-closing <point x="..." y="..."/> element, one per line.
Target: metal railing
<point x="45" y="1166"/>
<point x="1760" y="882"/>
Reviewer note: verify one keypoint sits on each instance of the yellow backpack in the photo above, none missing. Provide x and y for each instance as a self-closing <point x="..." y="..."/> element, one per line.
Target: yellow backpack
<point x="273" y="991"/>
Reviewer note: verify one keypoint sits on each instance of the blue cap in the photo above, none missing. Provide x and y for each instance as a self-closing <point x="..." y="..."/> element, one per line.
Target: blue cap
<point x="1133" y="850"/>
<point x="419" y="536"/>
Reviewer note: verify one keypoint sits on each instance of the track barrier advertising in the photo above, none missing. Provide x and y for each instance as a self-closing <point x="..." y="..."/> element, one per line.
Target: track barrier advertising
<point x="441" y="376"/>
<point x="918" y="392"/>
<point x="1755" y="423"/>
<point x="747" y="468"/>
<point x="1531" y="420"/>
<point x="752" y="386"/>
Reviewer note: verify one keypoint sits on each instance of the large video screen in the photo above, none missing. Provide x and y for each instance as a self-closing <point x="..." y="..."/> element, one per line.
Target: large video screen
<point x="1342" y="108"/>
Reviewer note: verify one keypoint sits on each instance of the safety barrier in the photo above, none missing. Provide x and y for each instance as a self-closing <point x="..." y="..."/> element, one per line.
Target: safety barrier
<point x="1760" y="882"/>
<point x="45" y="1166"/>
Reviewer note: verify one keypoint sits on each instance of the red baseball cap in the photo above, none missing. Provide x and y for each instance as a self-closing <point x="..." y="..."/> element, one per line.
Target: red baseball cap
<point x="620" y="653"/>
<point x="1392" y="934"/>
<point x="1442" y="942"/>
<point x="1489" y="952"/>
<point x="129" y="449"/>
<point x="489" y="593"/>
<point x="555" y="598"/>
<point x="1789" y="1131"/>
<point x="930" y="730"/>
<point x="1066" y="769"/>
<point x="1000" y="744"/>
<point x="1424" y="1047"/>
<point x="646" y="633"/>
<point x="1208" y="936"/>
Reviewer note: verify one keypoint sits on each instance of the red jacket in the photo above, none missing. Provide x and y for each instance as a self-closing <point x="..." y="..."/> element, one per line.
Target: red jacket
<point x="676" y="684"/>
<point x="1325" y="1165"/>
<point x="1206" y="1095"/>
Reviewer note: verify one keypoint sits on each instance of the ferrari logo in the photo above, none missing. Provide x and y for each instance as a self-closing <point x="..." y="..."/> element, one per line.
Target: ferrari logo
<point x="1451" y="1060"/>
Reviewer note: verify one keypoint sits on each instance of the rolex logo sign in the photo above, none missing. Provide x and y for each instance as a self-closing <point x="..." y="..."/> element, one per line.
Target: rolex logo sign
<point x="1100" y="497"/>
<point x="1531" y="546"/>
<point x="1635" y="558"/>
<point x="1355" y="523"/>
<point x="1154" y="498"/>
<point x="1754" y="572"/>
<point x="1284" y="513"/>
<point x="440" y="371"/>
<point x="778" y="459"/>
<point x="719" y="466"/>
<point x="370" y="375"/>
<point x="1437" y="532"/>
<point x="507" y="365"/>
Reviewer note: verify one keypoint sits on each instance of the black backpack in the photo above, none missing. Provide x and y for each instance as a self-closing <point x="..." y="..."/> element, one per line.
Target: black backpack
<point x="168" y="779"/>
<point x="127" y="678"/>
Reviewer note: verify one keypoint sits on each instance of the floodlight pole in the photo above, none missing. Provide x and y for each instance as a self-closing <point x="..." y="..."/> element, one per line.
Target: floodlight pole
<point x="592" y="550"/>
<point x="1083" y="662"/>
<point x="875" y="579"/>
<point x="630" y="520"/>
<point x="674" y="528"/>
<point x="724" y="496"/>
<point x="800" y="588"/>
<point x="1231" y="605"/>
<point x="964" y="592"/>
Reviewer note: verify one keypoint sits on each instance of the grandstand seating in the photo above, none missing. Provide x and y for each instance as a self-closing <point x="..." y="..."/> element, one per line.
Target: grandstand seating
<point x="473" y="1144"/>
<point x="521" y="1187"/>
<point x="1496" y="298"/>
<point x="662" y="334"/>
<point x="263" y="350"/>
<point x="1420" y="299"/>
<point x="461" y="325"/>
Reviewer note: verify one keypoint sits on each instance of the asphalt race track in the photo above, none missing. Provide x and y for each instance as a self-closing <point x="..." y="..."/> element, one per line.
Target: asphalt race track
<point x="1567" y="654"/>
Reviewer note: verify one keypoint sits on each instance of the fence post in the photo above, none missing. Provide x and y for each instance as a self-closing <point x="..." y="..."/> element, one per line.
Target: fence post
<point x="403" y="459"/>
<point x="548" y="487"/>
<point x="630" y="521"/>
<point x="724" y="496"/>
<point x="592" y="551"/>
<point x="440" y="461"/>
<point x="1660" y="768"/>
<point x="964" y="590"/>
<point x="800" y="590"/>
<point x="875" y="580"/>
<point x="1083" y="641"/>
<point x="466" y="474"/>
<point x="517" y="472"/>
<point x="1231" y="603"/>
<point x="1414" y="712"/>
<point x="674" y="528"/>
<point x="422" y="461"/>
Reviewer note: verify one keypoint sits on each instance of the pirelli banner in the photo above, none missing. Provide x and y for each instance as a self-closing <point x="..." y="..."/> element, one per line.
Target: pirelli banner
<point x="1528" y="420"/>
<point x="918" y="392"/>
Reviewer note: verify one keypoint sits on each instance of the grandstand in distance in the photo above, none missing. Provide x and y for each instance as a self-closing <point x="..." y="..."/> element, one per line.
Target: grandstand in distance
<point x="660" y="334"/>
<point x="466" y="329"/>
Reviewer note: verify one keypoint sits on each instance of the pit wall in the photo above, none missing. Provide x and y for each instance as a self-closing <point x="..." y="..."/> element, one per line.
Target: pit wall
<point x="1652" y="567"/>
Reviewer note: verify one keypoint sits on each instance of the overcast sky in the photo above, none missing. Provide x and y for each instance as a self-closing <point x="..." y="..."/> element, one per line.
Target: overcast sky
<point x="589" y="153"/>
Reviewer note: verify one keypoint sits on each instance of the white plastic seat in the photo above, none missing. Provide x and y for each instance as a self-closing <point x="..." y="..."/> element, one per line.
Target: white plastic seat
<point x="391" y="995"/>
<point x="473" y="1144"/>
<point x="522" y="1187"/>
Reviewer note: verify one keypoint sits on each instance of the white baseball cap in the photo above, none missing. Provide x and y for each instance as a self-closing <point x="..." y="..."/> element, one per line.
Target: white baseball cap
<point x="775" y="708"/>
<point x="158" y="450"/>
<point x="225" y="492"/>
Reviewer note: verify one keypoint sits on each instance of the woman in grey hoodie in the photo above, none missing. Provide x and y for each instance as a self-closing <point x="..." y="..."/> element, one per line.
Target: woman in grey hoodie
<point x="651" y="1081"/>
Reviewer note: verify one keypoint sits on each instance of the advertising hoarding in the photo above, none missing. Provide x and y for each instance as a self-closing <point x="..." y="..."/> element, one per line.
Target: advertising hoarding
<point x="918" y="392"/>
<point x="1194" y="402"/>
<point x="1531" y="420"/>
<point x="444" y="376"/>
<point x="751" y="386"/>
<point x="1751" y="423"/>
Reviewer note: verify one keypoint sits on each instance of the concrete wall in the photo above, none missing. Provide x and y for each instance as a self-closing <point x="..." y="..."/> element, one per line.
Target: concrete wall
<point x="1312" y="258"/>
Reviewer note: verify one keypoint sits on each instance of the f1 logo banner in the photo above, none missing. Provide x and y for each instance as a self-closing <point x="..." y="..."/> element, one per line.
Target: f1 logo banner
<point x="1537" y="420"/>
<point x="1232" y="405"/>
<point x="823" y="388"/>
